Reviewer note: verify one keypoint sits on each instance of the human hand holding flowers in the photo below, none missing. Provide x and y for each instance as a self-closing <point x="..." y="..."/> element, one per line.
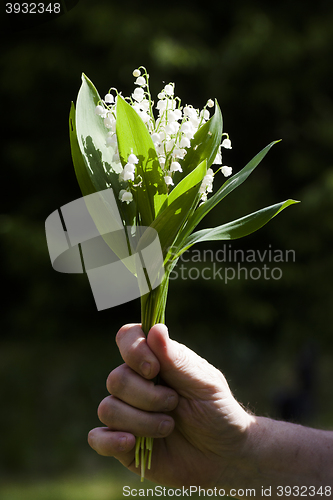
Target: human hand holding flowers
<point x="159" y="169"/>
<point x="208" y="440"/>
<point x="202" y="430"/>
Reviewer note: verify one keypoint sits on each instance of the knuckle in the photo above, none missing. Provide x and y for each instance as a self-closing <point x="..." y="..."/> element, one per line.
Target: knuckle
<point x="103" y="410"/>
<point x="116" y="380"/>
<point x="91" y="438"/>
<point x="121" y="332"/>
<point x="155" y="400"/>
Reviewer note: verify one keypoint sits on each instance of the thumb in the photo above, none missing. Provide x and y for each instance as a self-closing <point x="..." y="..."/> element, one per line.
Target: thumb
<point x="180" y="367"/>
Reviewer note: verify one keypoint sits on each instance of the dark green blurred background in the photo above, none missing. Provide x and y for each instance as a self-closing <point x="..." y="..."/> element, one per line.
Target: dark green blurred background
<point x="270" y="67"/>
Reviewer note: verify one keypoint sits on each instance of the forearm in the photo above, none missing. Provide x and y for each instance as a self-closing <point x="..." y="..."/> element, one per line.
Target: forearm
<point x="287" y="460"/>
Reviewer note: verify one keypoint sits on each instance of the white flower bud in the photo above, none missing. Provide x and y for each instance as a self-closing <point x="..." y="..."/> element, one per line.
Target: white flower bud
<point x="138" y="94"/>
<point x="99" y="110"/>
<point x="144" y="116"/>
<point x="132" y="159"/>
<point x="136" y="73"/>
<point x="144" y="104"/>
<point x="116" y="158"/>
<point x="175" y="167"/>
<point x="179" y="153"/>
<point x="218" y="157"/>
<point x="169" y="144"/>
<point x="169" y="89"/>
<point x="156" y="137"/>
<point x="111" y="139"/>
<point x="168" y="180"/>
<point x="185" y="142"/>
<point x="161" y="105"/>
<point x="125" y="196"/>
<point x="128" y="176"/>
<point x="140" y="81"/>
<point x="171" y="128"/>
<point x="226" y="171"/>
<point x="178" y="114"/>
<point x="172" y="116"/>
<point x="226" y="143"/>
<point x="109" y="99"/>
<point x="190" y="112"/>
<point x="205" y="114"/>
<point x="108" y="122"/>
<point x="129" y="167"/>
<point x="210" y="103"/>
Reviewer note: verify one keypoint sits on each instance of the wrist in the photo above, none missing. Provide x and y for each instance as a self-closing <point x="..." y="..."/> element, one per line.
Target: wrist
<point x="239" y="463"/>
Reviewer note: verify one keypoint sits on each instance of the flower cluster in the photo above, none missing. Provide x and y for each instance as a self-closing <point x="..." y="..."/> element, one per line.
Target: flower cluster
<point x="171" y="133"/>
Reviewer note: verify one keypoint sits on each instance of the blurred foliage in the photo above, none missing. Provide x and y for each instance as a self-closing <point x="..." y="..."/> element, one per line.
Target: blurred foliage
<point x="269" y="66"/>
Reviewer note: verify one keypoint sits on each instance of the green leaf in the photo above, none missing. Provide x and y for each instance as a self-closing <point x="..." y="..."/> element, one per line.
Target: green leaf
<point x="80" y="167"/>
<point x="204" y="144"/>
<point x="133" y="137"/>
<point x="238" y="228"/>
<point x="170" y="221"/>
<point x="98" y="158"/>
<point x="188" y="182"/>
<point x="231" y="184"/>
<point x="116" y="240"/>
<point x="91" y="134"/>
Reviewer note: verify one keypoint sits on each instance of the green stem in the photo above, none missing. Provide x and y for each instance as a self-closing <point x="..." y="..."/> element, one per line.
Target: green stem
<point x="153" y="306"/>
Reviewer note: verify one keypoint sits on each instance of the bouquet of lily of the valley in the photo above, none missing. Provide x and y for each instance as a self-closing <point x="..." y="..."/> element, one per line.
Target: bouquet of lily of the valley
<point x="157" y="158"/>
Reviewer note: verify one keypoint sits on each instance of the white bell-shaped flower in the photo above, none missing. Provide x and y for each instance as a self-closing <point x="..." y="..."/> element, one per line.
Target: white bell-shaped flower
<point x="125" y="196"/>
<point x="109" y="99"/>
<point x="168" y="180"/>
<point x="179" y="153"/>
<point x="175" y="167"/>
<point x="140" y="81"/>
<point x="99" y="110"/>
<point x="169" y="90"/>
<point x="185" y="142"/>
<point x="162" y="105"/>
<point x="226" y="171"/>
<point x="144" y="105"/>
<point x="156" y="137"/>
<point x="138" y="94"/>
<point x="226" y="143"/>
<point x="132" y="159"/>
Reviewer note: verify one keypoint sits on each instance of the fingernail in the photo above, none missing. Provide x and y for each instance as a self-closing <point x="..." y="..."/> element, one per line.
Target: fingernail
<point x="145" y="369"/>
<point x="165" y="427"/>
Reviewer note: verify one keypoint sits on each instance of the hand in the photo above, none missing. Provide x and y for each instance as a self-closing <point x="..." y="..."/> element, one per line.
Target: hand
<point x="199" y="428"/>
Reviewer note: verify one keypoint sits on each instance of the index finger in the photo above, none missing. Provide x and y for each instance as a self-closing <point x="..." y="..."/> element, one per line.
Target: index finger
<point x="134" y="350"/>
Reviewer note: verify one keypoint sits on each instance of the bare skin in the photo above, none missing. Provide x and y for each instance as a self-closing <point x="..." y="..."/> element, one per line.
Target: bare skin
<point x="203" y="437"/>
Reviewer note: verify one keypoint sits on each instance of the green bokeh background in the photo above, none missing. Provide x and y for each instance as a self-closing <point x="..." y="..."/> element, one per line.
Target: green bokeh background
<point x="270" y="67"/>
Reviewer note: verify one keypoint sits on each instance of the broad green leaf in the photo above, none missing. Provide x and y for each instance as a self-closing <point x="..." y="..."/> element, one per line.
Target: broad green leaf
<point x="169" y="222"/>
<point x="133" y="137"/>
<point x="80" y="166"/>
<point x="188" y="182"/>
<point x="238" y="228"/>
<point x="231" y="184"/>
<point x="116" y="240"/>
<point x="204" y="144"/>
<point x="91" y="135"/>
